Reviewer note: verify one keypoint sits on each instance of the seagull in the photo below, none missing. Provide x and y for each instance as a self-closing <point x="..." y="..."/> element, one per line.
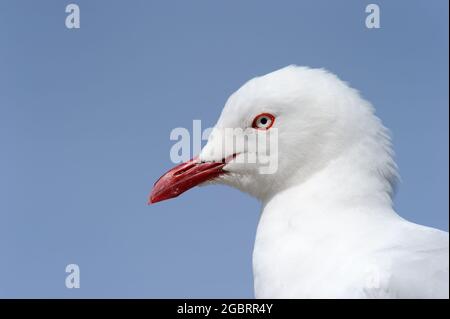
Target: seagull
<point x="327" y="228"/>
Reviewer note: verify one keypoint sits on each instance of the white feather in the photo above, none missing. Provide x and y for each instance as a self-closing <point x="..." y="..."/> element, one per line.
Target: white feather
<point x="327" y="228"/>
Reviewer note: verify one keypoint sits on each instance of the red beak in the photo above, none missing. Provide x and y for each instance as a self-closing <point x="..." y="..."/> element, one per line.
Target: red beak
<point x="183" y="177"/>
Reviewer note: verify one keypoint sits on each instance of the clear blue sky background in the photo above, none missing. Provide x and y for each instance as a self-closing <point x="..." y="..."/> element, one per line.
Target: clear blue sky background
<point x="85" y="117"/>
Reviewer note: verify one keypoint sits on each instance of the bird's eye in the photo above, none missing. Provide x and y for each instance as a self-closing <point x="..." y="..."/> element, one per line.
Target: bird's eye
<point x="263" y="121"/>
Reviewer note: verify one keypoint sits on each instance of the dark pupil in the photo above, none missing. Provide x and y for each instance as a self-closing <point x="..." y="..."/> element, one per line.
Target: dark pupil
<point x="264" y="121"/>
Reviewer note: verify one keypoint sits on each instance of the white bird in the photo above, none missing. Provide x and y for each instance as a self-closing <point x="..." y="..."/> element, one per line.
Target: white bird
<point x="327" y="227"/>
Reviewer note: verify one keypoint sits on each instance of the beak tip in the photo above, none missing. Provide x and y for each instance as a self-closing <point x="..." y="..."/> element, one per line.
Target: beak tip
<point x="183" y="177"/>
<point x="155" y="198"/>
<point x="150" y="200"/>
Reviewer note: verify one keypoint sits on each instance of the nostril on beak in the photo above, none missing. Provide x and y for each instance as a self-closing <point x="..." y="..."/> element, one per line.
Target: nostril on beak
<point x="184" y="169"/>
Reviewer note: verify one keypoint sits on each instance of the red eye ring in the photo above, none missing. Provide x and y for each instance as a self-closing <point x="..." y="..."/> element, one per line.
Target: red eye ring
<point x="263" y="121"/>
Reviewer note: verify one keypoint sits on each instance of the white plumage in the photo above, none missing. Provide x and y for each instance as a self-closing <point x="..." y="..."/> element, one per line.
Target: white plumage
<point x="327" y="227"/>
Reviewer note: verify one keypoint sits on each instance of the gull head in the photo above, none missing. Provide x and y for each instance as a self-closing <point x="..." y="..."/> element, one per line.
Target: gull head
<point x="279" y="130"/>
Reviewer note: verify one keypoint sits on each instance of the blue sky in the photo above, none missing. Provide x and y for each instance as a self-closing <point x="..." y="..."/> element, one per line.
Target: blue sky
<point x="85" y="118"/>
